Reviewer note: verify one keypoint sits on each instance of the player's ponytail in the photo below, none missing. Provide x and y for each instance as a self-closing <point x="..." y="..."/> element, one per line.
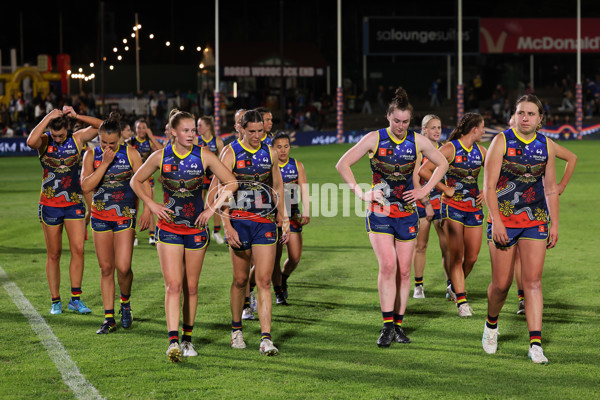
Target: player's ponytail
<point x="400" y="102"/>
<point x="59" y="123"/>
<point x="210" y="121"/>
<point x="112" y="124"/>
<point x="465" y="125"/>
<point x="176" y="116"/>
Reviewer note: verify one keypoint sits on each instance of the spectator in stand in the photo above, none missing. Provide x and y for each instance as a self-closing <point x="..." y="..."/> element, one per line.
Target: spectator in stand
<point x="207" y="102"/>
<point x="20" y="108"/>
<point x="507" y="111"/>
<point x="472" y="105"/>
<point x="547" y="111"/>
<point x="300" y="100"/>
<point x="488" y="118"/>
<point x="590" y="108"/>
<point x="153" y="104"/>
<point x="591" y="89"/>
<point x="4" y="115"/>
<point x="38" y="113"/>
<point x="555" y="120"/>
<point x="434" y="92"/>
<point x="290" y="120"/>
<point x="12" y="107"/>
<point x="565" y="85"/>
<point x="529" y="89"/>
<point x="91" y="105"/>
<point x="566" y="104"/>
<point x="6" y="130"/>
<point x="381" y="98"/>
<point x="161" y="110"/>
<point x="49" y="104"/>
<point x="301" y="119"/>
<point x="477" y="84"/>
<point x="312" y="117"/>
<point x="366" y="96"/>
<point x="497" y="102"/>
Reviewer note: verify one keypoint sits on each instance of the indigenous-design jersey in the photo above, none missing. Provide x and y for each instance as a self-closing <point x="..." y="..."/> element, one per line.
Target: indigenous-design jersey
<point x="268" y="139"/>
<point x="392" y="165"/>
<point x="113" y="199"/>
<point x="211" y="144"/>
<point x="462" y="175"/>
<point x="289" y="175"/>
<point x="520" y="187"/>
<point x="61" y="164"/>
<point x="142" y="146"/>
<point x="252" y="168"/>
<point x="435" y="195"/>
<point x="182" y="179"/>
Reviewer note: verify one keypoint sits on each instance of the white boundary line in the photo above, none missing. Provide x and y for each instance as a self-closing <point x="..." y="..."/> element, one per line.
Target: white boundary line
<point x="81" y="388"/>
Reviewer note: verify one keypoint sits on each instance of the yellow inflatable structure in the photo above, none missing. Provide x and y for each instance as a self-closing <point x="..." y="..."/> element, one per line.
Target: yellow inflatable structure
<point x="40" y="82"/>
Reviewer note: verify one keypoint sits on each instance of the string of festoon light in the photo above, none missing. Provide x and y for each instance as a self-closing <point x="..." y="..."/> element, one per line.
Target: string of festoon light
<point x="136" y="31"/>
<point x="125" y="47"/>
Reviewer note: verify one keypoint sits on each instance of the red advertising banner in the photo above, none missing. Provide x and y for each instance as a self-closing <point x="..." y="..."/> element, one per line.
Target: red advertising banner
<point x="541" y="35"/>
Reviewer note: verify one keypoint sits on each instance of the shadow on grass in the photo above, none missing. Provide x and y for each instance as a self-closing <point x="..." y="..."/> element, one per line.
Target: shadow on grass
<point x="335" y="249"/>
<point x="289" y="319"/>
<point x="313" y="285"/>
<point x="565" y="306"/>
<point x="21" y="250"/>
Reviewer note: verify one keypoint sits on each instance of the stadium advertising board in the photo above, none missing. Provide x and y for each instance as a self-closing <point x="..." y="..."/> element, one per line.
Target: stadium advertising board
<point x="386" y="36"/>
<point x="541" y="35"/>
<point x="15" y="147"/>
<point x="268" y="71"/>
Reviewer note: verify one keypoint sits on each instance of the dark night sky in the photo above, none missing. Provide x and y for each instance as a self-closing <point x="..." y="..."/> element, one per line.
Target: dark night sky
<point x="309" y="20"/>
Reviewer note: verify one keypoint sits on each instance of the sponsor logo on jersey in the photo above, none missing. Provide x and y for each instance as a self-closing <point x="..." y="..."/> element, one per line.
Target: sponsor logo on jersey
<point x="244" y="163"/>
<point x="386" y="152"/>
<point x="170" y="168"/>
<point x="514" y="152"/>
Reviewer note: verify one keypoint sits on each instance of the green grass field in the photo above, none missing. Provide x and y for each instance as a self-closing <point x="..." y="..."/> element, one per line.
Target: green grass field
<point x="327" y="337"/>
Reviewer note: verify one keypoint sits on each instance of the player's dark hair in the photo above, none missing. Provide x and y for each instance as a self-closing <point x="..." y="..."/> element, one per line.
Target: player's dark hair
<point x="466" y="123"/>
<point x="281" y="135"/>
<point x="400" y="102"/>
<point x="140" y="121"/>
<point x="112" y="124"/>
<point x="59" y="123"/>
<point x="263" y="110"/>
<point x="251" y="116"/>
